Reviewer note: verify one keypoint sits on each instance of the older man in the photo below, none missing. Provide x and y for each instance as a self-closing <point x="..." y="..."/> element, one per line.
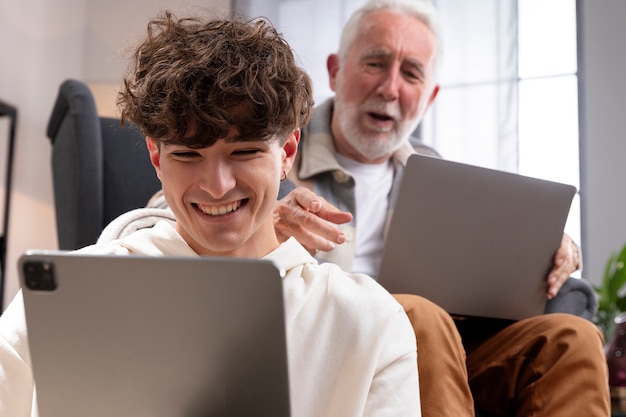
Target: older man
<point x="351" y="155"/>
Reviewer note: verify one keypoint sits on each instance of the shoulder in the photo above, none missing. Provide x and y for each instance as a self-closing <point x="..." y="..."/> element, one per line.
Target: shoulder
<point x="158" y="239"/>
<point x="17" y="393"/>
<point x="342" y="292"/>
<point x="350" y="312"/>
<point x="13" y="326"/>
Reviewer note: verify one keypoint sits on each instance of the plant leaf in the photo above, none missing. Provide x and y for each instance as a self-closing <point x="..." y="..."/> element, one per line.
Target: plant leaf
<point x="611" y="298"/>
<point x="618" y="274"/>
<point x="620" y="303"/>
<point x="607" y="294"/>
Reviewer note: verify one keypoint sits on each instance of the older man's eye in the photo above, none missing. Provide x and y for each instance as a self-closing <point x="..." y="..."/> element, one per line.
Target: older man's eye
<point x="374" y="64"/>
<point x="413" y="76"/>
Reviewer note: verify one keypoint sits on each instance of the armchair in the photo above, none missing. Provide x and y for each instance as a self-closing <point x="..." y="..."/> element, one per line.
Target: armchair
<point x="100" y="169"/>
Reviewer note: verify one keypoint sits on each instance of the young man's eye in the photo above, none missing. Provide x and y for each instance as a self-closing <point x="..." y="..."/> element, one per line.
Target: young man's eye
<point x="184" y="154"/>
<point x="246" y="152"/>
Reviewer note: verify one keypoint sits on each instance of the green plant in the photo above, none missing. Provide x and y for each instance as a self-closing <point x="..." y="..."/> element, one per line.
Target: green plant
<point x="611" y="297"/>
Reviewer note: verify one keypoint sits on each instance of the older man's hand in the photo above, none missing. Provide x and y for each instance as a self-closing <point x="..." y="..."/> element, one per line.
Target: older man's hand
<point x="310" y="219"/>
<point x="566" y="261"/>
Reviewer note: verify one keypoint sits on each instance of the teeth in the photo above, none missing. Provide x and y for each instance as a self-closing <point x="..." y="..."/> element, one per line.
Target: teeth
<point x="221" y="210"/>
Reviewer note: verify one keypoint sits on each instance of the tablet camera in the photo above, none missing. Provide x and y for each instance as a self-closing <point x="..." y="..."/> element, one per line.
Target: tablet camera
<point x="39" y="276"/>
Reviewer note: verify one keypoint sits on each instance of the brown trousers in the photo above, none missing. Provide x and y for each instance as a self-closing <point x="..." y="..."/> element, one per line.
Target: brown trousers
<point x="551" y="365"/>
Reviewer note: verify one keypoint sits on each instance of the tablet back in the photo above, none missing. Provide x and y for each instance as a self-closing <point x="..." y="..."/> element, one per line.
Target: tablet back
<point x="155" y="336"/>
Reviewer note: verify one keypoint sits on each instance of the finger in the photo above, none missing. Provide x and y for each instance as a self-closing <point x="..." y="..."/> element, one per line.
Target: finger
<point x="306" y="198"/>
<point x="563" y="252"/>
<point x="560" y="256"/>
<point x="318" y="205"/>
<point x="311" y="241"/>
<point x="567" y="256"/>
<point x="334" y="215"/>
<point x="554" y="289"/>
<point x="309" y="224"/>
<point x="313" y="232"/>
<point x="574" y="253"/>
<point x="556" y="279"/>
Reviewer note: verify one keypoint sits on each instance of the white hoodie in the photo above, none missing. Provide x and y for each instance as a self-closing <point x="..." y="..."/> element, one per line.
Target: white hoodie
<point x="351" y="347"/>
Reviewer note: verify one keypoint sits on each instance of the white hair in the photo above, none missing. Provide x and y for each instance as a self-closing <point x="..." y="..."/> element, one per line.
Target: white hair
<point x="423" y="10"/>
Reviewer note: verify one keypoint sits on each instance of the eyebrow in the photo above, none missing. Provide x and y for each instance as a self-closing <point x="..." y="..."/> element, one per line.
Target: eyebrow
<point x="382" y="53"/>
<point x="376" y="53"/>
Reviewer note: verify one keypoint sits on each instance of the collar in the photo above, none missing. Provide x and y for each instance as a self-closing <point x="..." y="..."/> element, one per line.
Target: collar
<point x="163" y="239"/>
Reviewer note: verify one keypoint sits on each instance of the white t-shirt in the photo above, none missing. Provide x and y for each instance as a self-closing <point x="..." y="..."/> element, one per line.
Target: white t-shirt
<point x="372" y="187"/>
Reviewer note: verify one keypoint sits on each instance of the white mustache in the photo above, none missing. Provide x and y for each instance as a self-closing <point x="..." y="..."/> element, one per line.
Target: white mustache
<point x="391" y="110"/>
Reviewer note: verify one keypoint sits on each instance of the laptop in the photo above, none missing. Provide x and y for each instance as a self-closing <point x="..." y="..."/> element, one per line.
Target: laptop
<point x="476" y="241"/>
<point x="155" y="336"/>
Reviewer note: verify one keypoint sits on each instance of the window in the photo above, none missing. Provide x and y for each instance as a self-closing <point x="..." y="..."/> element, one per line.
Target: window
<point x="509" y="96"/>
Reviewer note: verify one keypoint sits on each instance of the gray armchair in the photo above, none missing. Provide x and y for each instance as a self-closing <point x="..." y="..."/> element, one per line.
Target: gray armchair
<point x="100" y="169"/>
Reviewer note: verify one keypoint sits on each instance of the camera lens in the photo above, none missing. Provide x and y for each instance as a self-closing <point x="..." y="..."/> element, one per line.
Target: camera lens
<point x="39" y="276"/>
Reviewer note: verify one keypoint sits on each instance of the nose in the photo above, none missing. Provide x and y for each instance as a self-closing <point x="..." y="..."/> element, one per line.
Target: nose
<point x="389" y="88"/>
<point x="217" y="178"/>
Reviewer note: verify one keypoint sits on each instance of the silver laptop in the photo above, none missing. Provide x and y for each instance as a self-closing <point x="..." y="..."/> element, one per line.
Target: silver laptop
<point x="476" y="241"/>
<point x="155" y="336"/>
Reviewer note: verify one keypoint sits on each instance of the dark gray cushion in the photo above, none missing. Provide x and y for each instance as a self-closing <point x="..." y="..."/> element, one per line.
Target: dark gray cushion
<point x="99" y="168"/>
<point x="575" y="297"/>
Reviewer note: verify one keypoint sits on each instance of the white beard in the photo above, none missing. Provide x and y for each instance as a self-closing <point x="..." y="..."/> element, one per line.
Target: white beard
<point x="373" y="145"/>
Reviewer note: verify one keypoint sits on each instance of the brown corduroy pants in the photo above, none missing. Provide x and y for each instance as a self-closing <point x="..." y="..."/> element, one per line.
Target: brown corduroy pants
<point x="551" y="365"/>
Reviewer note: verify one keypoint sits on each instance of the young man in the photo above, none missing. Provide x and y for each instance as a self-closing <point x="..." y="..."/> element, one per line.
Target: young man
<point x="221" y="103"/>
<point x="351" y="157"/>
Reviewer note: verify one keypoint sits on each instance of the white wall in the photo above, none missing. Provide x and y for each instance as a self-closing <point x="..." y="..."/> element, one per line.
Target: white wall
<point x="602" y="64"/>
<point x="43" y="43"/>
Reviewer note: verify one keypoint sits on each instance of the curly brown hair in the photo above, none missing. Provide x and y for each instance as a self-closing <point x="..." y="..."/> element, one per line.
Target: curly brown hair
<point x="191" y="80"/>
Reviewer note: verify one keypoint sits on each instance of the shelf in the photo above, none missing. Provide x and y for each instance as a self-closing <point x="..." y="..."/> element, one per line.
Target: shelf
<point x="9" y="112"/>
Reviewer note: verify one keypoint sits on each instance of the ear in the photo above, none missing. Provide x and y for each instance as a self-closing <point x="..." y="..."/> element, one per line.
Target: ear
<point x="332" y="65"/>
<point x="155" y="155"/>
<point x="290" y="149"/>
<point x="433" y="95"/>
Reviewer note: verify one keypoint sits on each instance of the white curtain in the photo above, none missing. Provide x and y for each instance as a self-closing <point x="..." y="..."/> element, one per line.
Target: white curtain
<point x="475" y="117"/>
<point x="312" y="28"/>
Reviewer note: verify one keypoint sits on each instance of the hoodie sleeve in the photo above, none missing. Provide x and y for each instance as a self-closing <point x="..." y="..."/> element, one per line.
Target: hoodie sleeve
<point x="17" y="389"/>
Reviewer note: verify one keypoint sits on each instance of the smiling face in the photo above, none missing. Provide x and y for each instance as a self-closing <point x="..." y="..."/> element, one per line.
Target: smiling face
<point x="223" y="195"/>
<point x="383" y="85"/>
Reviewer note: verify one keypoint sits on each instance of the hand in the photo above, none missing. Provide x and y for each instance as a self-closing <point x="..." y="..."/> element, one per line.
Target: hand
<point x="566" y="261"/>
<point x="310" y="219"/>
